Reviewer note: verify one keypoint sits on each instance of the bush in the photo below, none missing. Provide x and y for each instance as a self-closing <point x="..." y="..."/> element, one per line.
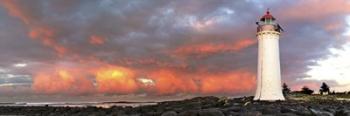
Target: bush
<point x="285" y="89"/>
<point x="324" y="88"/>
<point x="306" y="90"/>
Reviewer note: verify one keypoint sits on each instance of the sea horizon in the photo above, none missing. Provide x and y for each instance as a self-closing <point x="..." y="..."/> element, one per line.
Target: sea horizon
<point x="102" y="101"/>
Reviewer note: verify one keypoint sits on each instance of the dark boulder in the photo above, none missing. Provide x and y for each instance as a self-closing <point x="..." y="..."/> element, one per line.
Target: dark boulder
<point x="169" y="113"/>
<point x="251" y="113"/>
<point x="211" y="112"/>
<point x="189" y="113"/>
<point x="343" y="112"/>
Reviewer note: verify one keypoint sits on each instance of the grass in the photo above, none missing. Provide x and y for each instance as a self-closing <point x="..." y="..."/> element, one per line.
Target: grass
<point x="346" y="96"/>
<point x="314" y="97"/>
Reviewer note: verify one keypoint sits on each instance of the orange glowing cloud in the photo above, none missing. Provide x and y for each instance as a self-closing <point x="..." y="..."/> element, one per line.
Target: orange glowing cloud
<point x="147" y="61"/>
<point x="17" y="11"/>
<point x="96" y="40"/>
<point x="85" y="77"/>
<point x="211" y="48"/>
<point x="113" y="79"/>
<point x="168" y="82"/>
<point x="229" y="83"/>
<point x="316" y="9"/>
<point x="37" y="31"/>
<point x="46" y="36"/>
<point x="243" y="43"/>
<point x="61" y="81"/>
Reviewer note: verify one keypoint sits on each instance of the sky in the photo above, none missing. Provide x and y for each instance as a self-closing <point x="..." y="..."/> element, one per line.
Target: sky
<point x="165" y="48"/>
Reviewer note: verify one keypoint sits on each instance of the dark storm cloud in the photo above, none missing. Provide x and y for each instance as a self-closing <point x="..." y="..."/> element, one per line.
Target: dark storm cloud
<point x="145" y="34"/>
<point x="14" y="79"/>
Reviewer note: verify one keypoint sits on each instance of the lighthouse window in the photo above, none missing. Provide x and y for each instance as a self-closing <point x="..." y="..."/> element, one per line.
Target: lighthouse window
<point x="268" y="21"/>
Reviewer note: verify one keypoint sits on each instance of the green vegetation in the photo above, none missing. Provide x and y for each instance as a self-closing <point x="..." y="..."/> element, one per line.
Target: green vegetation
<point x="306" y="90"/>
<point x="313" y="97"/>
<point x="286" y="90"/>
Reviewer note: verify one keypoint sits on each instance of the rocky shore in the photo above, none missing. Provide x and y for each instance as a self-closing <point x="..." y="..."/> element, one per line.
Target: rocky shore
<point x="199" y="106"/>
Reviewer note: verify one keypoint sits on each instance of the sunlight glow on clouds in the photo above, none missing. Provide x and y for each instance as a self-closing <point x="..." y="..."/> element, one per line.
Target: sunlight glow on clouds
<point x="165" y="47"/>
<point x="336" y="67"/>
<point x="146" y="81"/>
<point x="347" y="33"/>
<point x="2" y="70"/>
<point x="20" y="65"/>
<point x="17" y="75"/>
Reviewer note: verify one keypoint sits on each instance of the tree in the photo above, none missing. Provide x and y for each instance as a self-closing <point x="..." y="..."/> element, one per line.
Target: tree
<point x="285" y="89"/>
<point x="324" y="88"/>
<point x="306" y="90"/>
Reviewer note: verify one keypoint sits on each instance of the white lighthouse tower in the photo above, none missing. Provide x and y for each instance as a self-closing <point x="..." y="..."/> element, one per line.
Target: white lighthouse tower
<point x="269" y="73"/>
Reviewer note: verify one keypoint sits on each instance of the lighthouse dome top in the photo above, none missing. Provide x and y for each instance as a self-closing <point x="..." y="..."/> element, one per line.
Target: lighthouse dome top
<point x="267" y="16"/>
<point x="268" y="23"/>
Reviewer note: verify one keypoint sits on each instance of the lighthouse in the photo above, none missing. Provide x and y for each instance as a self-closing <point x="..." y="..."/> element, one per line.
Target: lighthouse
<point x="269" y="72"/>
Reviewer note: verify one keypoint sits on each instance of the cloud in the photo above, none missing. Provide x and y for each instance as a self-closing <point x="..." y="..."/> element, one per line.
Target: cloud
<point x="212" y="48"/>
<point x="102" y="78"/>
<point x="234" y="82"/>
<point x="96" y="40"/>
<point x="316" y="10"/>
<point x="20" y="65"/>
<point x="118" y="80"/>
<point x="62" y="81"/>
<point x="26" y="13"/>
<point x="169" y="82"/>
<point x="17" y="11"/>
<point x="8" y="79"/>
<point x="178" y="46"/>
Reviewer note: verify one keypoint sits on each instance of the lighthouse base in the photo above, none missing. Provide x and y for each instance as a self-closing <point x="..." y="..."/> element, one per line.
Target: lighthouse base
<point x="270" y="99"/>
<point x="269" y="94"/>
